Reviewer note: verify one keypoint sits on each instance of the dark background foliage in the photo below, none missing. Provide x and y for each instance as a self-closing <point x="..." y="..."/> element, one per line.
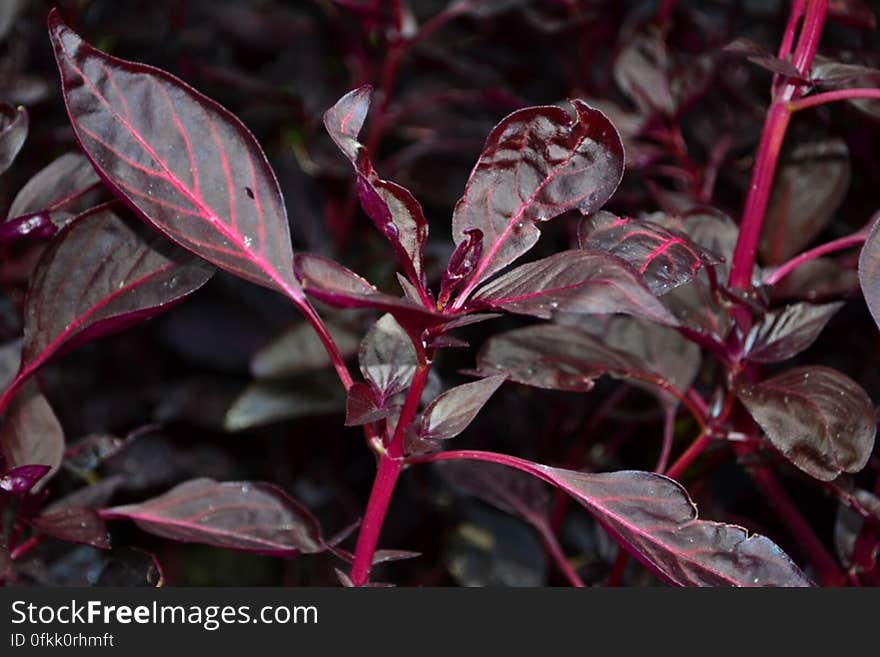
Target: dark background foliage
<point x="176" y="383"/>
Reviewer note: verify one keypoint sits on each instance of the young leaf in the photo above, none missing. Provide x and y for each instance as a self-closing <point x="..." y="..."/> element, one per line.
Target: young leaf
<point x="330" y="282"/>
<point x="186" y="164"/>
<point x="102" y="273"/>
<point x="74" y="525"/>
<point x="387" y="358"/>
<point x="821" y="420"/>
<point x="13" y="131"/>
<point x="66" y="186"/>
<point x="580" y="282"/>
<point x="396" y="213"/>
<point x="758" y="54"/>
<point x="782" y="334"/>
<point x="22" y="478"/>
<point x="31" y="434"/>
<point x="362" y="406"/>
<point x="537" y="163"/>
<point x="664" y="258"/>
<point x="451" y="413"/>
<point x="252" y="517"/>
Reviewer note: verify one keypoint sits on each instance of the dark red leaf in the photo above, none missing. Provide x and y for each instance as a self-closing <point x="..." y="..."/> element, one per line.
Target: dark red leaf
<point x="855" y="13"/>
<point x="558" y="358"/>
<point x="784" y="333"/>
<point x="362" y="406"/>
<point x="31" y="434"/>
<point x="252" y="517"/>
<point x="758" y="54"/>
<point x="664" y="258"/>
<point x="101" y="274"/>
<point x="451" y="413"/>
<point x="22" y="478"/>
<point x="537" y="163"/>
<point x="387" y="358"/>
<point x="74" y="525"/>
<point x="13" y="131"/>
<point x="464" y="258"/>
<point x="579" y="282"/>
<point x="65" y="187"/>
<point x="330" y="282"/>
<point x="809" y="187"/>
<point x="396" y="213"/>
<point x="869" y="271"/>
<point x="821" y="420"/>
<point x="186" y="164"/>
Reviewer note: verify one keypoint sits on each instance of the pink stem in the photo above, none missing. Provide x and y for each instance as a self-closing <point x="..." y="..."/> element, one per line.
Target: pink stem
<point x="24" y="547"/>
<point x="689" y="456"/>
<point x="668" y="435"/>
<point x="831" y="97"/>
<point x="327" y="340"/>
<point x="551" y="544"/>
<point x="823" y="249"/>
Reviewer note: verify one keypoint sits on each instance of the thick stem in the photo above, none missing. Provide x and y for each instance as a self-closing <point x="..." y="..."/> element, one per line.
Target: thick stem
<point x="785" y="269"/>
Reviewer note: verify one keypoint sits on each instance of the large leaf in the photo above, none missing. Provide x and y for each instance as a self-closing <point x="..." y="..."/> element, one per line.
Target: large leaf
<point x="821" y="420"/>
<point x="559" y="358"/>
<point x="653" y="517"/>
<point x="67" y="185"/>
<point x="253" y="517"/>
<point x="101" y="274"/>
<point x="809" y="187"/>
<point x="31" y="434"/>
<point x="13" y="132"/>
<point x="581" y="282"/>
<point x="451" y="412"/>
<point x="190" y="167"/>
<point x="784" y="333"/>
<point x="665" y="258"/>
<point x="396" y="213"/>
<point x="330" y="282"/>
<point x="537" y="163"/>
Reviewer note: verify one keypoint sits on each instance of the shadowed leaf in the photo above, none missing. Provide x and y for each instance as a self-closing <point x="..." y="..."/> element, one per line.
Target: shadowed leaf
<point x="31" y="434"/>
<point x="13" y="131"/>
<point x="782" y="334"/>
<point x="66" y="186"/>
<point x="74" y="525"/>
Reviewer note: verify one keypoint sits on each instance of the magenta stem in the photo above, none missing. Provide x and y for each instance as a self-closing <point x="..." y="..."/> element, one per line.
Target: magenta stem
<point x="327" y="340"/>
<point x="785" y="269"/>
<point x="831" y="97"/>
<point x="551" y="545"/>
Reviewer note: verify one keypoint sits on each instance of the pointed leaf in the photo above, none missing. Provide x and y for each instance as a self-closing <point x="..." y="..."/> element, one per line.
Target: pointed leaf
<point x="362" y="407"/>
<point x="787" y="332"/>
<point x="22" y="478"/>
<point x="74" y="525"/>
<point x="451" y="413"/>
<point x="102" y="273"/>
<point x="396" y="213"/>
<point x="66" y="186"/>
<point x="388" y="358"/>
<point x="664" y="258"/>
<point x="31" y="434"/>
<point x="821" y="420"/>
<point x="758" y="54"/>
<point x="299" y="350"/>
<point x="265" y="402"/>
<point x="252" y="517"/>
<point x="538" y="163"/>
<point x="191" y="168"/>
<point x="580" y="282"/>
<point x="13" y="131"/>
<point x="330" y="282"/>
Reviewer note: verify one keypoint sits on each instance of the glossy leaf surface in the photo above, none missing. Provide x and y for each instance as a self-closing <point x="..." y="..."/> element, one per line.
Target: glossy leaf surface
<point x="451" y="413"/>
<point x="782" y="334"/>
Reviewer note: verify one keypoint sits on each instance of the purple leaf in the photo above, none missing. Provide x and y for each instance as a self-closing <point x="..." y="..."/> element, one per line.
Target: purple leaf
<point x="451" y="413"/>
<point x="101" y="274"/>
<point x="782" y="334"/>
<point x="809" y="186"/>
<point x="537" y="163"/>
<point x="664" y="258"/>
<point x="821" y="420"/>
<point x="869" y="271"/>
<point x="509" y="490"/>
<point x="252" y="517"/>
<point x="387" y="358"/>
<point x="67" y="186"/>
<point x="362" y="406"/>
<point x="330" y="282"/>
<point x="22" y="478"/>
<point x="580" y="282"/>
<point x="396" y="213"/>
<point x="557" y="358"/>
<point x="13" y="131"/>
<point x="464" y="258"/>
<point x="74" y="525"/>
<point x="31" y="434"/>
<point x="758" y="54"/>
<point x="186" y="164"/>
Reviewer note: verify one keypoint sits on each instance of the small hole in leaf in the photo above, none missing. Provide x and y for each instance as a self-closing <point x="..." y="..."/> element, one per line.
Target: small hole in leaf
<point x="249" y="191"/>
